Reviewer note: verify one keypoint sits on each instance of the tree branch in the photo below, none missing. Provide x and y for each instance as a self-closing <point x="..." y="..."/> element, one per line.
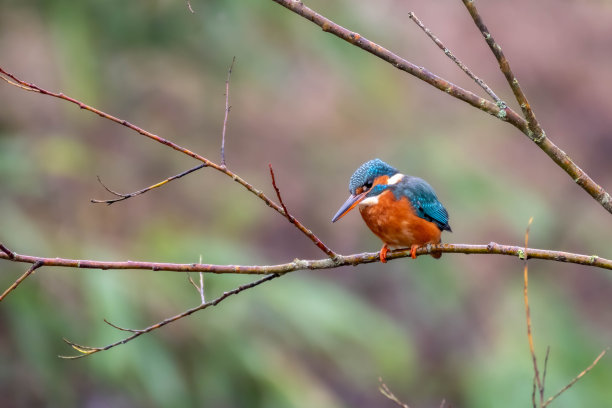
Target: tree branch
<point x="21" y="279"/>
<point x="340" y="260"/>
<point x="223" y="169"/>
<point x="535" y="131"/>
<point x="503" y="113"/>
<point x="507" y="115"/>
<point x="87" y="350"/>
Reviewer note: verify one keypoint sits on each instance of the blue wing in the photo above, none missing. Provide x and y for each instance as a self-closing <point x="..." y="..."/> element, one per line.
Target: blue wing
<point x="424" y="200"/>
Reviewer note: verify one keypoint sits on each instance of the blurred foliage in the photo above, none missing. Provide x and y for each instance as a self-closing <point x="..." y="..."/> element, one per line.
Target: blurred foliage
<point x="315" y="108"/>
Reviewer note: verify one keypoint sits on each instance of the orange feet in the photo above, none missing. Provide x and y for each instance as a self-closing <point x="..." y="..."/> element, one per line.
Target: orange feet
<point x="383" y="253"/>
<point x="413" y="249"/>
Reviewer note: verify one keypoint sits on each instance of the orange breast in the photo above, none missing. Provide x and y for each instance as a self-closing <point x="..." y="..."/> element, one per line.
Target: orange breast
<point x="396" y="223"/>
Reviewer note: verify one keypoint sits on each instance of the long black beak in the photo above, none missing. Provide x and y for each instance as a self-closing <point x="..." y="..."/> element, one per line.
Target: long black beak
<point x="348" y="205"/>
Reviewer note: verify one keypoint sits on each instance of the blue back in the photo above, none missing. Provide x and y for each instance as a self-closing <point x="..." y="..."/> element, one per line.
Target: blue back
<point x="424" y="200"/>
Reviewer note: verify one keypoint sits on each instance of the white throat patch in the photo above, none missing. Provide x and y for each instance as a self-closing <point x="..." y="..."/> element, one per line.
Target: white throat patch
<point x="395" y="179"/>
<point x="369" y="201"/>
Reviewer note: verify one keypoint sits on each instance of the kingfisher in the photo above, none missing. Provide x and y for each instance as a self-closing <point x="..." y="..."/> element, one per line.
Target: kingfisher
<point x="403" y="211"/>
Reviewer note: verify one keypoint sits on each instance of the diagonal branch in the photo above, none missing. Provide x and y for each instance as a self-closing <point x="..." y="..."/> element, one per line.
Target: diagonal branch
<point x="7" y="251"/>
<point x="21" y="279"/>
<point x="327" y="263"/>
<point x="87" y="350"/>
<point x="503" y="113"/>
<point x="292" y="220"/>
<point x="535" y="131"/>
<point x="327" y="25"/>
<point x="144" y="190"/>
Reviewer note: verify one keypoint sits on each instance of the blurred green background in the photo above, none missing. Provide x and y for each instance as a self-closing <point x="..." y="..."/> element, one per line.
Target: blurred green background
<point x="316" y="108"/>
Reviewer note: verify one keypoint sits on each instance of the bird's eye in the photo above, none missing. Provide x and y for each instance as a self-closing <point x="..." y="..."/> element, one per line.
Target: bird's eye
<point x="368" y="185"/>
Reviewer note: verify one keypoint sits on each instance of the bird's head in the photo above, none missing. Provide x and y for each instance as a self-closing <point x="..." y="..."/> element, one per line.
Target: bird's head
<point x="369" y="180"/>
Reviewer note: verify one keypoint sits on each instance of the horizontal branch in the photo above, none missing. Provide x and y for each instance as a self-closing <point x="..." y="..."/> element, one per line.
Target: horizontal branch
<point x="340" y="260"/>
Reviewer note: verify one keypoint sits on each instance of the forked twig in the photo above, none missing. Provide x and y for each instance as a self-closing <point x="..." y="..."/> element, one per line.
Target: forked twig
<point x="538" y="382"/>
<point x="456" y="60"/>
<point x="7" y="251"/>
<point x="20" y="279"/>
<point x="575" y="379"/>
<point x="87" y="350"/>
<point x="144" y="190"/>
<point x="384" y="390"/>
<point x="200" y="287"/>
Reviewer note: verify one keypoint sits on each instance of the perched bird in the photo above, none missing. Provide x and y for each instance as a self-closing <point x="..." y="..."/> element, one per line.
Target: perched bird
<point x="403" y="211"/>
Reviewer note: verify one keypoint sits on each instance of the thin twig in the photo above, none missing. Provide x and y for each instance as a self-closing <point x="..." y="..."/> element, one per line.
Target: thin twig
<point x="327" y="263"/>
<point x="227" y="111"/>
<point x="456" y="60"/>
<point x="533" y="393"/>
<point x="7" y="251"/>
<point x="144" y="190"/>
<point x="292" y="220"/>
<point x="503" y="113"/>
<point x="189" y="6"/>
<point x="544" y="375"/>
<point x="384" y="390"/>
<point x="21" y="279"/>
<point x="528" y="313"/>
<point x="579" y="376"/>
<point x="87" y="350"/>
<point x="122" y="328"/>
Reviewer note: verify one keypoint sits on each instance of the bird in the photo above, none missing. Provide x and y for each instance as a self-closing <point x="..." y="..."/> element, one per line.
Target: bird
<point x="402" y="210"/>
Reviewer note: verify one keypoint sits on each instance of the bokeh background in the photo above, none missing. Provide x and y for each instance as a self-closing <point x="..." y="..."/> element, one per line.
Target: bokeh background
<point x="316" y="108"/>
